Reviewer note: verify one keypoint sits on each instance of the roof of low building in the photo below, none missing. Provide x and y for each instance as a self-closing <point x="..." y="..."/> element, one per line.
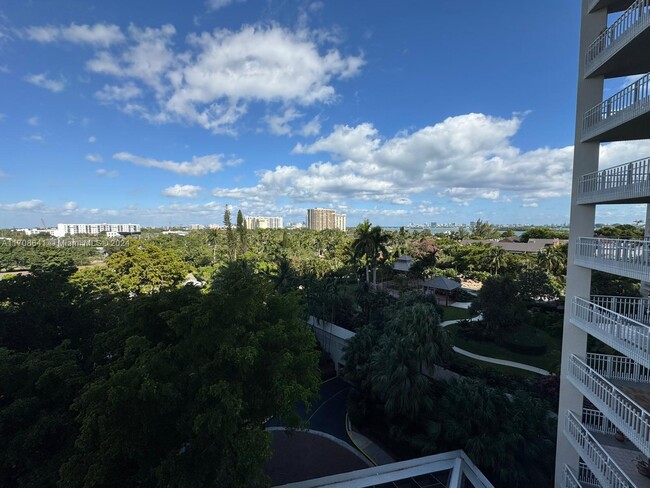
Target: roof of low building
<point x="441" y="283"/>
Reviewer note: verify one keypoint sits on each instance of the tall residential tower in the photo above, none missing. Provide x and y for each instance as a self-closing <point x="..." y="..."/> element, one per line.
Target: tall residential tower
<point x="605" y="394"/>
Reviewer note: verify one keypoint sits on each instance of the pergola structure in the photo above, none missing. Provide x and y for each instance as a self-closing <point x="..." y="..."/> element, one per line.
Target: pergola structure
<point x="441" y="286"/>
<point x="452" y="469"/>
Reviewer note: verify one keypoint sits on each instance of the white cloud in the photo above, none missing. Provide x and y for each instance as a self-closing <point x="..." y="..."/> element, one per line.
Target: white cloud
<point x="94" y="158"/>
<point x="2" y="174"/>
<point x="311" y="128"/>
<point x="213" y="82"/>
<point x="531" y="205"/>
<point x="182" y="191"/>
<point x="92" y="139"/>
<point x="2" y="116"/>
<point x="461" y="159"/>
<point x="4" y="68"/>
<point x="199" y="166"/>
<point x="98" y="35"/>
<point x="43" y="81"/>
<point x="70" y="206"/>
<point x="25" y="205"/>
<point x="113" y="93"/>
<point x="33" y="121"/>
<point x="106" y="174"/>
<point x="279" y="124"/>
<point x="217" y="4"/>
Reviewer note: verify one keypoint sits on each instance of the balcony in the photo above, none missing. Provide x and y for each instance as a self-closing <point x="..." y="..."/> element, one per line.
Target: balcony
<point x="569" y="480"/>
<point x="626" y="414"/>
<point x="626" y="335"/>
<point x="622" y="117"/>
<point x="586" y="477"/>
<point x="619" y="368"/>
<point x="621" y="49"/>
<point x="620" y="257"/>
<point x="627" y="183"/>
<point x="598" y="461"/>
<point x="610" y="5"/>
<point x="634" y="308"/>
<point x="624" y="453"/>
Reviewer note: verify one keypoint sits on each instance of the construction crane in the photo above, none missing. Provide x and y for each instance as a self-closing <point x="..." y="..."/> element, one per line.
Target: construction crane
<point x="43" y="222"/>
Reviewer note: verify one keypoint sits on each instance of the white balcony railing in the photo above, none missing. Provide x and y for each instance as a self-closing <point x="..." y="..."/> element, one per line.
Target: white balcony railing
<point x="627" y="415"/>
<point x="627" y="336"/>
<point x="629" y="24"/>
<point x="616" y="256"/>
<point x="586" y="477"/>
<point x="569" y="480"/>
<point x="595" y="421"/>
<point x="618" y="368"/>
<point x="604" y="468"/>
<point x="632" y="101"/>
<point x="624" y="182"/>
<point x="635" y="308"/>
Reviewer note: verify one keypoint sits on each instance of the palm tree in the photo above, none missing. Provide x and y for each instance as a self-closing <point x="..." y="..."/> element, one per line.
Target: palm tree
<point x="497" y="257"/>
<point x="363" y="245"/>
<point x="379" y="241"/>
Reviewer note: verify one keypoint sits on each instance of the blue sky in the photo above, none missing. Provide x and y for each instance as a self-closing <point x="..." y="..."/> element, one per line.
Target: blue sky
<point x="164" y="112"/>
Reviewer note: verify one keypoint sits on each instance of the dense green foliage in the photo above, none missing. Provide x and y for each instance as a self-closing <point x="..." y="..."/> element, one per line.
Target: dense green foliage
<point x="148" y="384"/>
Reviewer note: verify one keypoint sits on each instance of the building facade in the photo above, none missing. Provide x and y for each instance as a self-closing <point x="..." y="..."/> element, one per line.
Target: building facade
<point x="94" y="229"/>
<point x="605" y="397"/>
<point x="264" y="223"/>
<point x="325" y="218"/>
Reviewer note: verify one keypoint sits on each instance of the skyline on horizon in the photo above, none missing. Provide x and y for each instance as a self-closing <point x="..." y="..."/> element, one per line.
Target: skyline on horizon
<point x="396" y="113"/>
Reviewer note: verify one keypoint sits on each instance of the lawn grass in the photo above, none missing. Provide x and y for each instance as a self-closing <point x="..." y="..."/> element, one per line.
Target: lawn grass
<point x="454" y="313"/>
<point x="548" y="361"/>
<point x="507" y="370"/>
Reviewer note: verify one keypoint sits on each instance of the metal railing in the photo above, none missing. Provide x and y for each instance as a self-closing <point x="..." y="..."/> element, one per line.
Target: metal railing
<point x="630" y="102"/>
<point x="595" y="421"/>
<point x="635" y="308"/>
<point x="628" y="25"/>
<point x="628" y="336"/>
<point x="617" y="256"/>
<point x="569" y="480"/>
<point x="627" y="415"/>
<point x="626" y="181"/>
<point x="586" y="477"/>
<point x="604" y="468"/>
<point x="618" y="368"/>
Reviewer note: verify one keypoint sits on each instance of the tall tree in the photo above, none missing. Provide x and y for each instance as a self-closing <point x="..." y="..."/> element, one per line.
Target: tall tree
<point x="187" y="387"/>
<point x="363" y="245"/>
<point x="242" y="232"/>
<point x="230" y="236"/>
<point x="379" y="251"/>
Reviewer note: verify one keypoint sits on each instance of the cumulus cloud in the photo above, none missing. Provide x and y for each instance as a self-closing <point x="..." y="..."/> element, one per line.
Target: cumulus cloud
<point x="212" y="81"/>
<point x="199" y="166"/>
<point x="99" y="34"/>
<point x="33" y="121"/>
<point x="94" y="158"/>
<point x="34" y="137"/>
<point x="461" y="159"/>
<point x="92" y="139"/>
<point x="182" y="191"/>
<point x="43" y="81"/>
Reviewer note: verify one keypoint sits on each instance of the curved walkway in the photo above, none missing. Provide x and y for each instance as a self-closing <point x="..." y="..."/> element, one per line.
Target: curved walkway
<point x="486" y="359"/>
<point x="502" y="362"/>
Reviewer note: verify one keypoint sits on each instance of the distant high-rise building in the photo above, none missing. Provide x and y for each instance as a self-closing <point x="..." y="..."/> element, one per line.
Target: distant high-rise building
<point x="264" y="223"/>
<point x="325" y="218"/>
<point x="94" y="229"/>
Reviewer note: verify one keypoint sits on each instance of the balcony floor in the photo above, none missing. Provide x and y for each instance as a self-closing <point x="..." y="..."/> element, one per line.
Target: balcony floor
<point x="628" y="129"/>
<point x="632" y="58"/>
<point x="639" y="392"/>
<point x="624" y="454"/>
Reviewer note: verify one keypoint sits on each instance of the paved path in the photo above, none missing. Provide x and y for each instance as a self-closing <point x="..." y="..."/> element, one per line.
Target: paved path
<point x="486" y="359"/>
<point x="464" y="305"/>
<point x="371" y="450"/>
<point x="502" y="362"/>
